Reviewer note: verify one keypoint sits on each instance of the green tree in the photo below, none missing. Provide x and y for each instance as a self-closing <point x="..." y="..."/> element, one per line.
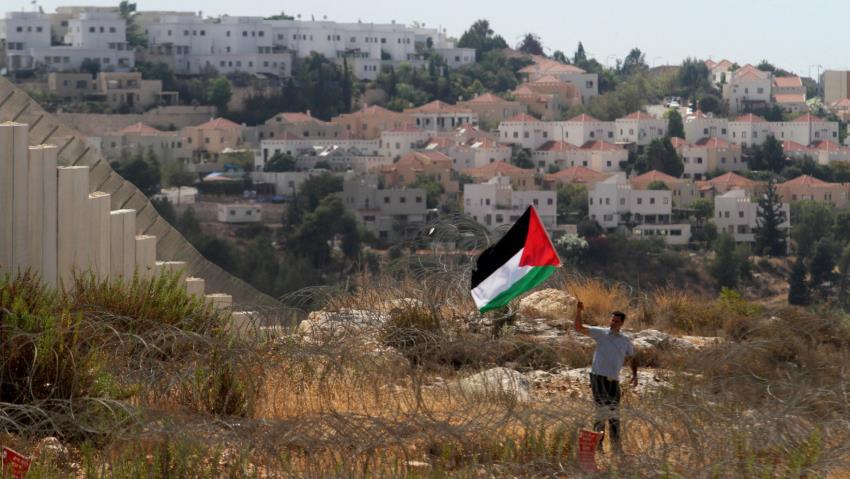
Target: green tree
<point x="219" y="92"/>
<point x="769" y="156"/>
<point x="579" y="57"/>
<point x="531" y="44"/>
<point x="657" y="185"/>
<point x="841" y="226"/>
<point x="135" y="36"/>
<point x="725" y="268"/>
<point x="522" y="159"/>
<point x="312" y="239"/>
<point x="693" y="77"/>
<point x="482" y="38"/>
<point x="141" y="172"/>
<point x="662" y="156"/>
<point x="822" y="265"/>
<point x="175" y="174"/>
<point x="703" y="210"/>
<point x="798" y="290"/>
<point x="347" y="87"/>
<point x="844" y="276"/>
<point x="280" y="162"/>
<point x="675" y="127"/>
<point x="433" y="190"/>
<point x="635" y="61"/>
<point x="560" y="57"/>
<point x="308" y="197"/>
<point x="710" y="104"/>
<point x="571" y="203"/>
<point x="158" y="71"/>
<point x="770" y="234"/>
<point x="810" y="222"/>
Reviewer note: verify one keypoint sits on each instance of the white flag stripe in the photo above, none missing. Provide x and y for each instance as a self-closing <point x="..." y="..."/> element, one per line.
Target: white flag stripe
<point x="500" y="281"/>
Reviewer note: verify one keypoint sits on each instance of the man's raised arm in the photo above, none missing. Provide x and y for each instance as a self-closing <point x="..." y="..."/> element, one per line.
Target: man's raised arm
<point x="580" y="328"/>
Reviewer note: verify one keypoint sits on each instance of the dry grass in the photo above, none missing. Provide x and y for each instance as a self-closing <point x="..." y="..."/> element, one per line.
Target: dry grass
<point x="367" y="401"/>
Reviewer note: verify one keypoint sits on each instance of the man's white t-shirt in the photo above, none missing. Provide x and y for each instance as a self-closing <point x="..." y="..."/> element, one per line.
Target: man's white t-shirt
<point x="611" y="351"/>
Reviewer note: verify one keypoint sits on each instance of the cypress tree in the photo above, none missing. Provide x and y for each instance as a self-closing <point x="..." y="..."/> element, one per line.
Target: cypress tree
<point x="798" y="290"/>
<point x="769" y="232"/>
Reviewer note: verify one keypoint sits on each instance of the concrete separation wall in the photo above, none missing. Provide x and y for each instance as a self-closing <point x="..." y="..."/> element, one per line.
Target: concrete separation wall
<point x="15" y="105"/>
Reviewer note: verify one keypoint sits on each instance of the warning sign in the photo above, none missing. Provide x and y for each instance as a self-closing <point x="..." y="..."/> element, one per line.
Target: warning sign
<point x="587" y="441"/>
<point x="15" y="464"/>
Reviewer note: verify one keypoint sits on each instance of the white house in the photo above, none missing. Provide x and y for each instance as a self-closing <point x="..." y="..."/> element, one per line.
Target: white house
<point x="639" y="128"/>
<point x="749" y="87"/>
<point x="524" y="131"/>
<point x="613" y="203"/>
<point x="581" y="129"/>
<point x="736" y="212"/>
<point x="699" y="126"/>
<point x="495" y="204"/>
<point x="20" y="32"/>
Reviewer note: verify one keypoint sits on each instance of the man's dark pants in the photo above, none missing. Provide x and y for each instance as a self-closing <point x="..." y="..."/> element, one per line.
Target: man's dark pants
<point x="606" y="395"/>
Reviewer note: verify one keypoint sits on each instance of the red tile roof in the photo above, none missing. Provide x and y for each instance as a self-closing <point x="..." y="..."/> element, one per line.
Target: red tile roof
<point x="807" y="118"/>
<point x="677" y="142"/>
<point x="789" y="146"/>
<point x="550" y="66"/>
<point x="547" y="79"/>
<point x="600" y="145"/>
<point x="639" y="115"/>
<point x="654" y="175"/>
<point x="523" y="117"/>
<point x="583" y="118"/>
<point x="576" y="174"/>
<point x="438" y="106"/>
<point x="730" y="180"/>
<point x="842" y="103"/>
<point x="826" y="145"/>
<point x="139" y="128"/>
<point x="789" y="98"/>
<point x="487" y="98"/>
<point x="298" y="117"/>
<point x="557" y="146"/>
<point x="806" y="180"/>
<point x="219" y="124"/>
<point x="787" y="82"/>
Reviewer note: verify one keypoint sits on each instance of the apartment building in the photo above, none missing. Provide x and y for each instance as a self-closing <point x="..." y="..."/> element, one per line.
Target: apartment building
<point x="416" y="164"/>
<point x="299" y="146"/>
<point x="520" y="179"/>
<point x="298" y="124"/>
<point x="598" y="155"/>
<point x="719" y="72"/>
<point x="371" y="121"/>
<point x="138" y="138"/>
<point x="835" y="85"/>
<point x="492" y="109"/>
<point x="586" y="83"/>
<point x="748" y="88"/>
<point x="547" y="97"/>
<point x="710" y="155"/>
<point x="389" y="214"/>
<point x="809" y="188"/>
<point x="440" y="116"/>
<point x="224" y="45"/>
<point x="124" y="91"/>
<point x="683" y="191"/>
<point x="736" y="212"/>
<point x="496" y="204"/>
<point x="700" y="125"/>
<point x="639" y="128"/>
<point x="395" y="142"/>
<point x="789" y="94"/>
<point x="90" y="34"/>
<point x="531" y="133"/>
<point x="613" y="202"/>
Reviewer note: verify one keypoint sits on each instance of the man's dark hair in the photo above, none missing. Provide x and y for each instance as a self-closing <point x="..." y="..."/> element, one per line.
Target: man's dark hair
<point x="620" y="315"/>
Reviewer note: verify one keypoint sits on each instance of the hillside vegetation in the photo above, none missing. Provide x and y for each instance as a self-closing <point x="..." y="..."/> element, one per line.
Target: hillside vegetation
<point x="139" y="380"/>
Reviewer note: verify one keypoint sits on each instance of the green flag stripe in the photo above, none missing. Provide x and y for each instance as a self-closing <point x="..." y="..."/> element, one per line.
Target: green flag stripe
<point x="533" y="278"/>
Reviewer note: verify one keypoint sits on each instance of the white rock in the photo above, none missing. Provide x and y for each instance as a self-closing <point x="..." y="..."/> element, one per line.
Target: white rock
<point x="340" y="322"/>
<point x="548" y="303"/>
<point x="497" y="381"/>
<point x="51" y="449"/>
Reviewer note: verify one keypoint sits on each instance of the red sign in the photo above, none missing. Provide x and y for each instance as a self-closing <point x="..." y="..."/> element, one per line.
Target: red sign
<point x="15" y="463"/>
<point x="587" y="441"/>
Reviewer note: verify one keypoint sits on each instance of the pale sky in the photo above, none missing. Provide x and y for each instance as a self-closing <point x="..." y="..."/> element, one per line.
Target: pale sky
<point x="794" y="35"/>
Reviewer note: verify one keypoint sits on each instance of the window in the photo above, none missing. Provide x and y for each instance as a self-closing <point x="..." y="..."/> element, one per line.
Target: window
<point x="419" y="199"/>
<point x="622" y="201"/>
<point x="589" y="84"/>
<point x="91" y="29"/>
<point x="640" y="201"/>
<point x="244" y="33"/>
<point x="740" y="214"/>
<point x="549" y="201"/>
<point x="652" y="201"/>
<point x="386" y="199"/>
<point x="228" y="34"/>
<point x="111" y="29"/>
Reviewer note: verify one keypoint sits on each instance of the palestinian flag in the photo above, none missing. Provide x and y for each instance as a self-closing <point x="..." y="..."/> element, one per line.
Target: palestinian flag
<point x="521" y="260"/>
